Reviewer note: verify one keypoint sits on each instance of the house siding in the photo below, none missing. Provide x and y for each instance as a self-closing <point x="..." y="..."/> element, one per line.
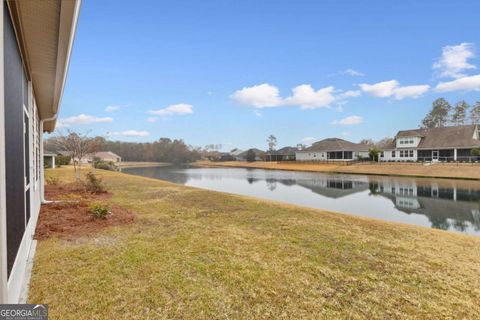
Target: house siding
<point x="22" y="178"/>
<point x="323" y="155"/>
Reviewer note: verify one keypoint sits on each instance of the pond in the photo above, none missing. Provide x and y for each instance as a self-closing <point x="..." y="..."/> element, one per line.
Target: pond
<point x="446" y="204"/>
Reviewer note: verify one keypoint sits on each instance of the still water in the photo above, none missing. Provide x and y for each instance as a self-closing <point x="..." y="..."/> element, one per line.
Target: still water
<point x="447" y="204"/>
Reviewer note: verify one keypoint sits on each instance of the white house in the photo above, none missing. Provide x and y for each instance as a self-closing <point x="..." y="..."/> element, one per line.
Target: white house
<point x="107" y="156"/>
<point x="34" y="52"/>
<point x="333" y="149"/>
<point x="452" y="143"/>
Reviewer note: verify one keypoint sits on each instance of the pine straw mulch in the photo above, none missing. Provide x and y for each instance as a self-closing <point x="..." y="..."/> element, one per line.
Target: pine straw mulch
<point x="70" y="217"/>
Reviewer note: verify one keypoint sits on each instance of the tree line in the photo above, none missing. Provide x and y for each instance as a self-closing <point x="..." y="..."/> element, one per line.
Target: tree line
<point x="443" y="114"/>
<point x="161" y="150"/>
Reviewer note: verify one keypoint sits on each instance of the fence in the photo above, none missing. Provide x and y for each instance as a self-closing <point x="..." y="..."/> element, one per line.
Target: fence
<point x="441" y="160"/>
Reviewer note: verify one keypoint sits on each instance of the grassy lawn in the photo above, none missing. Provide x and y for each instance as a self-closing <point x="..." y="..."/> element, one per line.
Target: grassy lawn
<point x="197" y="254"/>
<point x="438" y="170"/>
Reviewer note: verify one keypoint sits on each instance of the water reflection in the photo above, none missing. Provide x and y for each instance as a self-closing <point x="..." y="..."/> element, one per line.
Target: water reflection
<point x="438" y="203"/>
<point x="446" y="207"/>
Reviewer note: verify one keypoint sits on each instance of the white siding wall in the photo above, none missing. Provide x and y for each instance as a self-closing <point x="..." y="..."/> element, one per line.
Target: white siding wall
<point x="407" y="155"/>
<point x="322" y="156"/>
<point x="408" y="142"/>
<point x="311" y="156"/>
<point x="361" y="154"/>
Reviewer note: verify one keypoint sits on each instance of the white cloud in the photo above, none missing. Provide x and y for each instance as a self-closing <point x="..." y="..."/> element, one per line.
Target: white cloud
<point x="471" y="83"/>
<point x="454" y="60"/>
<point x="307" y="98"/>
<point x="152" y="119"/>
<point x="174" y="109"/>
<point x="112" y="108"/>
<point x="82" y="119"/>
<point x="392" y="88"/>
<point x="268" y="96"/>
<point x="349" y="94"/>
<point x="131" y="133"/>
<point x="348" y="121"/>
<point x="410" y="91"/>
<point x="353" y="73"/>
<point x="309" y="140"/>
<point x="258" y="113"/>
<point x="381" y="89"/>
<point x="260" y="96"/>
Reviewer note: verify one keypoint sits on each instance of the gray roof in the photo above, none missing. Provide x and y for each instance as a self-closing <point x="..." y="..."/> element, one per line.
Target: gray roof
<point x="257" y="152"/>
<point x="443" y="137"/>
<point x="49" y="153"/>
<point x="336" y="144"/>
<point x="285" y="151"/>
<point x="106" y="154"/>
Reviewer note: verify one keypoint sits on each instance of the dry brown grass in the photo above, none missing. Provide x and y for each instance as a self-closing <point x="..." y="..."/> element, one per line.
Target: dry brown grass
<point x="198" y="254"/>
<point x="440" y="170"/>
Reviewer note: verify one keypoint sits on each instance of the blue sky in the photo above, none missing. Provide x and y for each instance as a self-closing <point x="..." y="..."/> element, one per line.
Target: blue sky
<point x="233" y="72"/>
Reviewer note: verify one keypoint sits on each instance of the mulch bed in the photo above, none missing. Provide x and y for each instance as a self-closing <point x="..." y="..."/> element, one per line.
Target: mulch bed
<point x="70" y="217"/>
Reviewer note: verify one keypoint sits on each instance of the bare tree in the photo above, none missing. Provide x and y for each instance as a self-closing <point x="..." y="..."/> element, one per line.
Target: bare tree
<point x="368" y="142"/>
<point x="79" y="146"/>
<point x="272" y="142"/>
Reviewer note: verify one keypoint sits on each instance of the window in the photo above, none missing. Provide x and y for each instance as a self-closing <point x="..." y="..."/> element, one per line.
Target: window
<point x="393" y="154"/>
<point x="411" y="141"/>
<point x="382" y="154"/>
<point x="411" y="153"/>
<point x="401" y="141"/>
<point x="401" y="153"/>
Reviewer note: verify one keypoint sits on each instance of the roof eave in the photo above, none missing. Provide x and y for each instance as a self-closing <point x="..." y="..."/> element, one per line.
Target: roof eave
<point x="27" y="17"/>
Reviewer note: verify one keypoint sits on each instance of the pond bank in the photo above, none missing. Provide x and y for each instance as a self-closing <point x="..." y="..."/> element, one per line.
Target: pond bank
<point x="199" y="254"/>
<point x="439" y="170"/>
<point x="141" y="164"/>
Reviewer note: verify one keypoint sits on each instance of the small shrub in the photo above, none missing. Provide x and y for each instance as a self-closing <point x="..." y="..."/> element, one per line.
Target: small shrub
<point x="47" y="163"/>
<point x="94" y="184"/>
<point x="104" y="165"/>
<point x="61" y="160"/>
<point x="99" y="211"/>
<point x="52" y="181"/>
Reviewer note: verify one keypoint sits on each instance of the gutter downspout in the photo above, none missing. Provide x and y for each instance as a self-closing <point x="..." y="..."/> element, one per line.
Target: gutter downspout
<point x="42" y="168"/>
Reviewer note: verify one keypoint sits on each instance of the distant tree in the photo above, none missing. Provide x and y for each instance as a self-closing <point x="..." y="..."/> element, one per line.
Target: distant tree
<point x="438" y="116"/>
<point x="460" y="112"/>
<point x="272" y="142"/>
<point x="79" y="146"/>
<point x="475" y="113"/>
<point x="61" y="160"/>
<point x="475" y="152"/>
<point x="368" y="142"/>
<point x="383" y="142"/>
<point x="301" y="146"/>
<point x="373" y="153"/>
<point x="251" y="155"/>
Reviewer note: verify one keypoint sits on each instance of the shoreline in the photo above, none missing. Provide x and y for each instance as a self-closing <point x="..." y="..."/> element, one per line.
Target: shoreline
<point x="140" y="164"/>
<point x="357" y="169"/>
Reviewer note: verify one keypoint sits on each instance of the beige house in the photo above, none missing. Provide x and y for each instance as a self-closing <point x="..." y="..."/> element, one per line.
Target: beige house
<point x="107" y="156"/>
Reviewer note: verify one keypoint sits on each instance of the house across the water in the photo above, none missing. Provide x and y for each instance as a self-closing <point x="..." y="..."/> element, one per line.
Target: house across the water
<point x="37" y="38"/>
<point x="283" y="154"/>
<point x="259" y="155"/>
<point x="333" y="149"/>
<point x="453" y="143"/>
<point x="106" y="156"/>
